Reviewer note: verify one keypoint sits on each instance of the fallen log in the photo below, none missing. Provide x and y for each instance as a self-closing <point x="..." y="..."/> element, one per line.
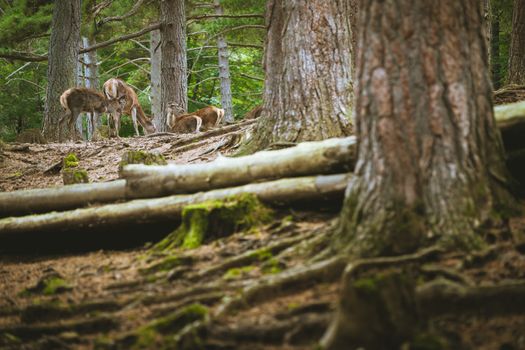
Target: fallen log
<point x="169" y="209"/>
<point x="510" y="114"/>
<point x="60" y="198"/>
<point x="308" y="158"/>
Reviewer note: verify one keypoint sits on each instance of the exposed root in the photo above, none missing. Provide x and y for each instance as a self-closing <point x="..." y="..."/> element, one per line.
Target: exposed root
<point x="285" y="282"/>
<point x="250" y="256"/>
<point x="441" y="297"/>
<point x="85" y="326"/>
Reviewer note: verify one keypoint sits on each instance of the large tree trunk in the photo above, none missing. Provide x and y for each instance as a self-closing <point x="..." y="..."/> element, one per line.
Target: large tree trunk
<point x="62" y="63"/>
<point x="224" y="71"/>
<point x="174" y="85"/>
<point x="516" y="73"/>
<point x="430" y="159"/>
<point x="155" y="57"/>
<point x="308" y="81"/>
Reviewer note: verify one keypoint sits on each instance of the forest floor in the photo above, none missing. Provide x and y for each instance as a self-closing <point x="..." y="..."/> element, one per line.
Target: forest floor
<point x="133" y="298"/>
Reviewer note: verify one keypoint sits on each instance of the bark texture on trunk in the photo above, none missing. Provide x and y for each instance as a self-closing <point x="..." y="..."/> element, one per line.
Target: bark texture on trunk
<point x="62" y="63"/>
<point x="91" y="81"/>
<point x="155" y="58"/>
<point x="430" y="160"/>
<point x="308" y="80"/>
<point x="174" y="84"/>
<point x="495" y="67"/>
<point x="516" y="73"/>
<point x="224" y="71"/>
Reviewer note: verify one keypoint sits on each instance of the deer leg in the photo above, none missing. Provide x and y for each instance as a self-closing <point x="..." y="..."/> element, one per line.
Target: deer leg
<point x="117" y="124"/>
<point x="134" y="119"/>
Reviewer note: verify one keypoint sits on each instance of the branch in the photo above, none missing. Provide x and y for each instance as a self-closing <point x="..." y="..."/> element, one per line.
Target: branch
<point x="23" y="56"/>
<point x="251" y="77"/>
<point x="133" y="10"/>
<point x="122" y="38"/>
<point x="205" y="17"/>
<point x="246" y="45"/>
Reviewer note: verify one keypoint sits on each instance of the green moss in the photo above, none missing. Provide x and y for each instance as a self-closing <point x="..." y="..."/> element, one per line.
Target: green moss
<point x="50" y="285"/>
<point x="141" y="157"/>
<point x="70" y="161"/>
<point x="216" y="219"/>
<point x="272" y="266"/>
<point x="168" y="263"/>
<point x="237" y="272"/>
<point x="55" y="285"/>
<point x="8" y="338"/>
<point x="74" y="176"/>
<point x="366" y="285"/>
<point x="425" y="341"/>
<point x="155" y="333"/>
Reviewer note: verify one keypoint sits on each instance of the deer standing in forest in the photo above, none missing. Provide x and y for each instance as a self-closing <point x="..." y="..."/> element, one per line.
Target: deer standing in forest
<point x="116" y="89"/>
<point x="79" y="99"/>
<point x="205" y="118"/>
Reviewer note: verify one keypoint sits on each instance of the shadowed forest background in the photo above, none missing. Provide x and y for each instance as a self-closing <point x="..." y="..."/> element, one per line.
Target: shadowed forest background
<point x="336" y="175"/>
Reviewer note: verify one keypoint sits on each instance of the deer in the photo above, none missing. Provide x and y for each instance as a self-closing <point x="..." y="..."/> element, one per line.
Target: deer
<point x="210" y="117"/>
<point x="79" y="99"/>
<point x="115" y="89"/>
<point x="182" y="123"/>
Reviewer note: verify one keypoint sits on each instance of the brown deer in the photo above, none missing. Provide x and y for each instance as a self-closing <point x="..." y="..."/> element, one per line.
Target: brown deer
<point x="182" y="123"/>
<point x="79" y="99"/>
<point x="115" y="89"/>
<point x="211" y="116"/>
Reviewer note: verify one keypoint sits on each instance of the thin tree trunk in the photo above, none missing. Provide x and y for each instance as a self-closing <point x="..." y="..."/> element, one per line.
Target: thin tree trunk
<point x="80" y="82"/>
<point x="308" y="81"/>
<point x="62" y="63"/>
<point x="174" y="85"/>
<point x="487" y="22"/>
<point x="224" y="72"/>
<point x="155" y="57"/>
<point x="516" y="72"/>
<point x="430" y="159"/>
<point x="91" y="81"/>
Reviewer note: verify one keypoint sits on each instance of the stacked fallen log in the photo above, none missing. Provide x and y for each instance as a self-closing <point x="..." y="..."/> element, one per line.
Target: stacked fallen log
<point x="258" y="174"/>
<point x="311" y="158"/>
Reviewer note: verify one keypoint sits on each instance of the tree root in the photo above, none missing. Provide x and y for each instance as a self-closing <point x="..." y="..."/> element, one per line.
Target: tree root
<point x="85" y="326"/>
<point x="297" y="330"/>
<point x="442" y="297"/>
<point x="285" y="282"/>
<point x="205" y="299"/>
<point x="250" y="256"/>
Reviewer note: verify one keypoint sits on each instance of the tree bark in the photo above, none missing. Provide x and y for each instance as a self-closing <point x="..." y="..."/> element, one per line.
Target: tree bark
<point x="308" y="82"/>
<point x="174" y="85"/>
<point x="62" y="64"/>
<point x="430" y="160"/>
<point x="516" y="72"/>
<point x="224" y="71"/>
<point x="155" y="58"/>
<point x="495" y="66"/>
<point x="303" y="190"/>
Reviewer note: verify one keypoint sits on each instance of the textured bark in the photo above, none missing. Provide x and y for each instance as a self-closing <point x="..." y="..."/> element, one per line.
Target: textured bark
<point x="486" y="11"/>
<point x="495" y="67"/>
<point x="62" y="65"/>
<point x="174" y="85"/>
<point x="155" y="53"/>
<point x="224" y="72"/>
<point x="516" y="72"/>
<point x="430" y="159"/>
<point x="308" y="83"/>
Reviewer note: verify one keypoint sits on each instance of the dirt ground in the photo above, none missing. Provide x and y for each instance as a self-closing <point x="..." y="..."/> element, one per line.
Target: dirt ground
<point x="114" y="299"/>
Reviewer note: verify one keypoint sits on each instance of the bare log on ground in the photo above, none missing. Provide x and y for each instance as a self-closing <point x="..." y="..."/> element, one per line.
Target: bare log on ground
<point x="323" y="157"/>
<point x="510" y="115"/>
<point x="169" y="209"/>
<point x="60" y="198"/>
